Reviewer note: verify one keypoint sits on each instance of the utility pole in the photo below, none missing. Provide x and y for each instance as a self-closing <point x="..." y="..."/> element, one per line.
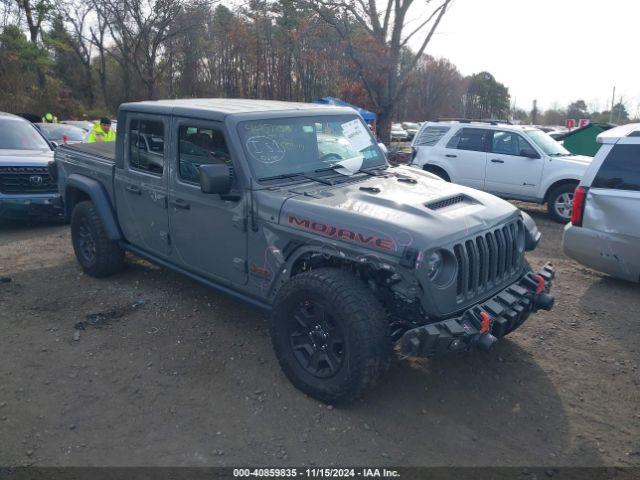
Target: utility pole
<point x="534" y="113"/>
<point x="613" y="100"/>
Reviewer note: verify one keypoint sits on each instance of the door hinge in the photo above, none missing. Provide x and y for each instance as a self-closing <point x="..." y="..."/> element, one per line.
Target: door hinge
<point x="240" y="222"/>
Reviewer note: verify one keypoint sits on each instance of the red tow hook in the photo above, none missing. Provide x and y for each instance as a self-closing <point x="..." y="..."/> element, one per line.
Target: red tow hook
<point x="485" y="323"/>
<point x="542" y="300"/>
<point x="485" y="340"/>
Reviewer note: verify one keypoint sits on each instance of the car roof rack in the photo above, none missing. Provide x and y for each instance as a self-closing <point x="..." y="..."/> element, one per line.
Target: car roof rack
<point x="491" y="121"/>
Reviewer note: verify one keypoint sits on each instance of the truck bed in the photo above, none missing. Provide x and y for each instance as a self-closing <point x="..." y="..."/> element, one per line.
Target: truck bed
<point x="93" y="160"/>
<point x="103" y="150"/>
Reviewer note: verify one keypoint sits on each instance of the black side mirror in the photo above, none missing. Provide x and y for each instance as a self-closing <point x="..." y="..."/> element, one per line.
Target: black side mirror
<point x="529" y="153"/>
<point x="215" y="178"/>
<point x="54" y="144"/>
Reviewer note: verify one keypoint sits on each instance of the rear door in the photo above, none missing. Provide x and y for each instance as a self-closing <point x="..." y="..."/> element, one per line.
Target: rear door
<point x="465" y="156"/>
<point x="141" y="186"/>
<point x="208" y="231"/>
<point x="613" y="201"/>
<point x="508" y="172"/>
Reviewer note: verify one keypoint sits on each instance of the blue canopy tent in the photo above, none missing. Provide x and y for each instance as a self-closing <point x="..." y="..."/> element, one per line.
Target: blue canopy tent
<point x="366" y="115"/>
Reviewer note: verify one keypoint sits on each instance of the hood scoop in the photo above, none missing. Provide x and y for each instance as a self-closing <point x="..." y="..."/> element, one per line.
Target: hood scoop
<point x="447" y="202"/>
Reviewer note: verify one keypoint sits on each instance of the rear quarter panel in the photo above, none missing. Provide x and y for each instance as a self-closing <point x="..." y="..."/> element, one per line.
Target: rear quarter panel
<point x="71" y="161"/>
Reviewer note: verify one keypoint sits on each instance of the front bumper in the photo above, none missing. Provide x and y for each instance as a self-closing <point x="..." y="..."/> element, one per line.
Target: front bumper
<point x="30" y="205"/>
<point x="481" y="325"/>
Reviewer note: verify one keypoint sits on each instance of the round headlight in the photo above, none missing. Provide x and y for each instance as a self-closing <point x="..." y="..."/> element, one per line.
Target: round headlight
<point x="433" y="264"/>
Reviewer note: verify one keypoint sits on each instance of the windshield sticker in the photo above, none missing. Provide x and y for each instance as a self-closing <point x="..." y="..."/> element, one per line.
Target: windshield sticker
<point x="357" y="134"/>
<point x="265" y="149"/>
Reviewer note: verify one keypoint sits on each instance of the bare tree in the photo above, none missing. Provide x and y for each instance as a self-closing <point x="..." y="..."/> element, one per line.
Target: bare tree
<point x="78" y="16"/>
<point x="140" y="29"/>
<point x="98" y="33"/>
<point x="35" y="13"/>
<point x="377" y="41"/>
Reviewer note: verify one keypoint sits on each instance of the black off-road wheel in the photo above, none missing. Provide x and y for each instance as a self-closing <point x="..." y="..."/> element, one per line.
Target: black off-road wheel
<point x="331" y="335"/>
<point x="560" y="202"/>
<point x="97" y="254"/>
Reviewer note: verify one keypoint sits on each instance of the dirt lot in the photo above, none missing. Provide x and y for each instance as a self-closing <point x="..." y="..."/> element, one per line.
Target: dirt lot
<point x="175" y="374"/>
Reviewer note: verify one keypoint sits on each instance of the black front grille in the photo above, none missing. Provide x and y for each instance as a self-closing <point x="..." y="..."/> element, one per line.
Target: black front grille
<point x="18" y="180"/>
<point x="488" y="260"/>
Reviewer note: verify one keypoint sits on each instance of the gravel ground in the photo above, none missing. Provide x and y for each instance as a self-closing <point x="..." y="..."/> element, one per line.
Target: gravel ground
<point x="170" y="373"/>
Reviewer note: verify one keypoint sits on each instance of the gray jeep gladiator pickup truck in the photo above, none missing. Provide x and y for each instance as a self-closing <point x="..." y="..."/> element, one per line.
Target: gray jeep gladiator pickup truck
<point x="295" y="209"/>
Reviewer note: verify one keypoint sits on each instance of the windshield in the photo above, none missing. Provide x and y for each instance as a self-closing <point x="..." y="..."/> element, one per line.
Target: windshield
<point x="63" y="132"/>
<point x="20" y="135"/>
<point x="546" y="143"/>
<point x="283" y="147"/>
<point x="413" y="126"/>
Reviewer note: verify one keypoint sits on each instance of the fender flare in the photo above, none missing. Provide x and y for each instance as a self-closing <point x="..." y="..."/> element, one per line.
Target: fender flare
<point x="99" y="197"/>
<point x="327" y="250"/>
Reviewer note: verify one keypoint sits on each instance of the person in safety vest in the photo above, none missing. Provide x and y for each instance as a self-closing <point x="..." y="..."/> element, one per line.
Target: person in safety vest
<point x="102" y="132"/>
<point x="49" y="118"/>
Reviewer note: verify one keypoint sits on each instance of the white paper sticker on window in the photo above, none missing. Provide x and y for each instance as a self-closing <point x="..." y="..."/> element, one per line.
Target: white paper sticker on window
<point x="357" y="134"/>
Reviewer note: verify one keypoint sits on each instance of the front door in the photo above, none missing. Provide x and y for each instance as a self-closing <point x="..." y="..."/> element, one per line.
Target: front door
<point x="141" y="186"/>
<point x="208" y="231"/>
<point x="510" y="173"/>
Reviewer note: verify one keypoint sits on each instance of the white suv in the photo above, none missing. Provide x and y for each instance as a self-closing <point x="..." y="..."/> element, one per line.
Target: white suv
<point x="511" y="161"/>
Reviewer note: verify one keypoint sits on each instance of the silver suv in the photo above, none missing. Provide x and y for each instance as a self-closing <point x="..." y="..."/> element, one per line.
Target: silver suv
<point x="604" y="232"/>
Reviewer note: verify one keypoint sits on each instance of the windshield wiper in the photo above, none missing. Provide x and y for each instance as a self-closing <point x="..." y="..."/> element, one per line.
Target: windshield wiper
<point x="293" y="175"/>
<point x="372" y="172"/>
<point x="330" y="167"/>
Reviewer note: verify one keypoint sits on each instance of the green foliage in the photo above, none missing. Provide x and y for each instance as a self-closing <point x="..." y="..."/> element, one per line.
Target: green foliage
<point x="20" y="61"/>
<point x="577" y="110"/>
<point x="486" y="97"/>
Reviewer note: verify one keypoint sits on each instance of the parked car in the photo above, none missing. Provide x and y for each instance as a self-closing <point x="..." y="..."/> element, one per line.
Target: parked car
<point x="59" y="133"/>
<point x="83" y="124"/>
<point x="26" y="187"/>
<point x="264" y="201"/>
<point x="604" y="232"/>
<point x="511" y="161"/>
<point x="398" y="134"/>
<point x="411" y="129"/>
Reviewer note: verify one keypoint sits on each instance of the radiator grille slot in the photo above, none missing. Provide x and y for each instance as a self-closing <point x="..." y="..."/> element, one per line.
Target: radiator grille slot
<point x="488" y="260"/>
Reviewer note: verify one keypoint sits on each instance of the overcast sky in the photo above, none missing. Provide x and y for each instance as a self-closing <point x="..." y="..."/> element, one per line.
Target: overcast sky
<point x="555" y="51"/>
